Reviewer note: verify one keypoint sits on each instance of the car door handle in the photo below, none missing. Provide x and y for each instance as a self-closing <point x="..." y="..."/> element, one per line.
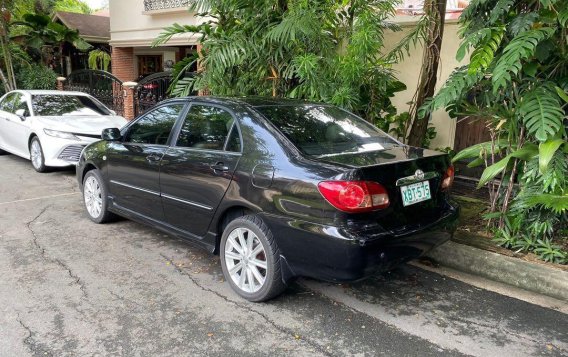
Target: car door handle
<point x="153" y="158"/>
<point x="219" y="166"/>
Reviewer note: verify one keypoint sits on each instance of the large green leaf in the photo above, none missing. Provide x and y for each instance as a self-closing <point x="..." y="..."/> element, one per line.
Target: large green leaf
<point x="476" y="151"/>
<point x="457" y="86"/>
<point x="491" y="171"/>
<point x="546" y="151"/>
<point x="525" y="153"/>
<point x="484" y="53"/>
<point x="520" y="48"/>
<point x="542" y="113"/>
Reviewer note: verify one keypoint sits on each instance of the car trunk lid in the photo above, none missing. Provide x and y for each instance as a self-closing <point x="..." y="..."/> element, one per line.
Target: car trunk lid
<point x="397" y="169"/>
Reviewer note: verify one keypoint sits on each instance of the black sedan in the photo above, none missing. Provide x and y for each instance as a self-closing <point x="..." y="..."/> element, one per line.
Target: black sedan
<point x="277" y="188"/>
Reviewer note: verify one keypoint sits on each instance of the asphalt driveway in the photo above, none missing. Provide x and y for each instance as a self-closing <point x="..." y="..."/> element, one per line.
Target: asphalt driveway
<point x="69" y="287"/>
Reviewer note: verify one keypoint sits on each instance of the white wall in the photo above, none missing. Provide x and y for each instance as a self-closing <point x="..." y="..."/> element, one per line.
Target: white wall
<point x="408" y="72"/>
<point x="131" y="26"/>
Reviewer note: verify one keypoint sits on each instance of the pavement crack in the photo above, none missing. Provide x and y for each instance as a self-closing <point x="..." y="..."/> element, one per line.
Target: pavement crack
<point x="281" y="329"/>
<point x="34" y="235"/>
<point x="28" y="338"/>
<point x="45" y="256"/>
<point x="123" y="299"/>
<point x="73" y="276"/>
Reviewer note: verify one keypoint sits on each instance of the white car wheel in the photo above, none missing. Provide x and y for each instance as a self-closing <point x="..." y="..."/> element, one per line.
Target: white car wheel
<point x="36" y="155"/>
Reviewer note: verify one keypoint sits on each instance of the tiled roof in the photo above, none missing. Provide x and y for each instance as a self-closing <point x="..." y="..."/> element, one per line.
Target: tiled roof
<point x="89" y="26"/>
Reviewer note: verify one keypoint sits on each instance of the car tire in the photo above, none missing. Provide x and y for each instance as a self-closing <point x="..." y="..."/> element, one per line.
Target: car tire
<point x="95" y="197"/>
<point x="248" y="242"/>
<point x="36" y="155"/>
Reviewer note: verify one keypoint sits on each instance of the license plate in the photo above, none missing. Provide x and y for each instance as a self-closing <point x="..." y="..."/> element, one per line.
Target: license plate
<point x="417" y="192"/>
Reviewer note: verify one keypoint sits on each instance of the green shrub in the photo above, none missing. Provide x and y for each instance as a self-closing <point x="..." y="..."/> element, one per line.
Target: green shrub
<point x="37" y="76"/>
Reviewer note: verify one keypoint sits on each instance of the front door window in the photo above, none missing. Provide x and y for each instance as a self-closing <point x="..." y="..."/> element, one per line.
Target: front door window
<point x="155" y="127"/>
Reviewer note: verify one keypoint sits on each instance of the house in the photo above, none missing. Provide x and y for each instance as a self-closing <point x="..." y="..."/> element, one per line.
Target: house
<point x="134" y="24"/>
<point x="94" y="29"/>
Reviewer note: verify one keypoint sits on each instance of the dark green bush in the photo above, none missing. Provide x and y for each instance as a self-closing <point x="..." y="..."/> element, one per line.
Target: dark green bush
<point x="36" y="76"/>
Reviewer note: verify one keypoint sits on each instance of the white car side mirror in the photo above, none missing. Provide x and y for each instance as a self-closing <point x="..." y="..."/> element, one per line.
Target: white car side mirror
<point x="21" y="114"/>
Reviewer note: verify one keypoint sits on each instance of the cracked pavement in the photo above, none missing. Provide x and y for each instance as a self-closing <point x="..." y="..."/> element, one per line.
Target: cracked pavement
<point x="69" y="287"/>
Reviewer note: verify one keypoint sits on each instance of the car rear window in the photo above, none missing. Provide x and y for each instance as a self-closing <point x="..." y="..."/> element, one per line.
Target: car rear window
<point x="319" y="130"/>
<point x="59" y="105"/>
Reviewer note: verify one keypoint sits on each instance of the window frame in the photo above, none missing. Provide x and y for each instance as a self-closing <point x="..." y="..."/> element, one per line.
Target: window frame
<point x="224" y="150"/>
<point x="183" y="112"/>
<point x="27" y="101"/>
<point x="6" y="97"/>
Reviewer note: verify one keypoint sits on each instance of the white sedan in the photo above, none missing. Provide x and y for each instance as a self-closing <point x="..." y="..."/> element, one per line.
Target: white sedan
<point x="51" y="128"/>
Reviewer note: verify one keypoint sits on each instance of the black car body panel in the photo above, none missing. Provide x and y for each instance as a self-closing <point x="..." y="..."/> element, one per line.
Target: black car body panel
<point x="189" y="193"/>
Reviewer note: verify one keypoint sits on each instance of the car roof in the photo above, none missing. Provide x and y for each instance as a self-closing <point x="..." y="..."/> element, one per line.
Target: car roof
<point x="48" y="92"/>
<point x="253" y="101"/>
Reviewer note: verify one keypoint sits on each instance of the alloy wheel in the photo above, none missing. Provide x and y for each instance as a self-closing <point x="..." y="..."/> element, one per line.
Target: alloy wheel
<point x="93" y="196"/>
<point x="36" y="154"/>
<point x="245" y="258"/>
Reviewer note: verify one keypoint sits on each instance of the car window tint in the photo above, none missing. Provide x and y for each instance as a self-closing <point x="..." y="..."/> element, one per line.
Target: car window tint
<point x="205" y="127"/>
<point x="155" y="126"/>
<point x="64" y="105"/>
<point x="234" y="141"/>
<point x="7" y="104"/>
<point x="326" y="130"/>
<point x="20" y="103"/>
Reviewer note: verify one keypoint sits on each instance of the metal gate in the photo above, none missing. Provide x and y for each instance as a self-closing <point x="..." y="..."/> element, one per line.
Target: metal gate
<point x="100" y="84"/>
<point x="151" y="90"/>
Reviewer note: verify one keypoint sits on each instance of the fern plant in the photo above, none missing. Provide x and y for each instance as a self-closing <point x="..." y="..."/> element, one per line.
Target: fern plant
<point x="517" y="81"/>
<point x="324" y="50"/>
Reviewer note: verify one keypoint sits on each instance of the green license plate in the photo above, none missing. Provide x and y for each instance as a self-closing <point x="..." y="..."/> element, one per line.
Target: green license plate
<point x="417" y="192"/>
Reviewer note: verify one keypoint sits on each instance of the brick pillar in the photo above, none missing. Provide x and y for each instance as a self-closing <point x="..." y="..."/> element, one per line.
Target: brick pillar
<point x="122" y="61"/>
<point x="60" y="83"/>
<point x="129" y="111"/>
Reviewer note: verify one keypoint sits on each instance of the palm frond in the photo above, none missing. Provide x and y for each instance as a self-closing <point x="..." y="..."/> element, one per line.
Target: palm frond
<point x="520" y="48"/>
<point x="171" y="31"/>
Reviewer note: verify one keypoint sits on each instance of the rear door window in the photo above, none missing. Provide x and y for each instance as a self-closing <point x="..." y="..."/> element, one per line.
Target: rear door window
<point x="205" y="127"/>
<point x="155" y="126"/>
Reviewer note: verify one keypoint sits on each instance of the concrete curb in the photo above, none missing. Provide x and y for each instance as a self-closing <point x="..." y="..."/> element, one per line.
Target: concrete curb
<point x="513" y="271"/>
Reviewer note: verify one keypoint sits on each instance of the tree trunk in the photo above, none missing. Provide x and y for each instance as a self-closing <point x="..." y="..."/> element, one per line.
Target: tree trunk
<point x="435" y="10"/>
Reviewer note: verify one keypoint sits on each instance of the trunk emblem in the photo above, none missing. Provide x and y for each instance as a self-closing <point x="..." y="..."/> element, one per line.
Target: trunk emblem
<point x="419" y="174"/>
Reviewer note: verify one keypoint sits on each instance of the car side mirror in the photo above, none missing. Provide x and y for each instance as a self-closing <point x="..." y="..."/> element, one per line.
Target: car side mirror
<point x="111" y="134"/>
<point x="21" y="113"/>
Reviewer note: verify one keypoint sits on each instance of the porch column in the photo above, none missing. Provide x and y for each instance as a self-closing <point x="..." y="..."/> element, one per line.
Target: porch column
<point x="122" y="63"/>
<point x="128" y="112"/>
<point x="60" y="83"/>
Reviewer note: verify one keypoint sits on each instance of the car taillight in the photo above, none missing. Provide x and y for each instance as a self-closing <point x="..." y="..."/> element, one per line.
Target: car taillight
<point x="448" y="178"/>
<point x="354" y="196"/>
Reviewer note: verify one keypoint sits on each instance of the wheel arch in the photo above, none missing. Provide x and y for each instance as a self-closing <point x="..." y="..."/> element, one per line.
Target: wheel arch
<point x="88" y="167"/>
<point x="30" y="138"/>
<point x="226" y="215"/>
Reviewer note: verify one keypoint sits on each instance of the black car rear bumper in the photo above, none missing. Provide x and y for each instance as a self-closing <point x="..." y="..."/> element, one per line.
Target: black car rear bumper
<point x="331" y="254"/>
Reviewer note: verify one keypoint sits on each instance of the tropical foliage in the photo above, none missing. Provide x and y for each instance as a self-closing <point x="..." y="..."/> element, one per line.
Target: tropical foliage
<point x="99" y="59"/>
<point x="37" y="76"/>
<point x="26" y="27"/>
<point x="517" y="81"/>
<point x="324" y="50"/>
